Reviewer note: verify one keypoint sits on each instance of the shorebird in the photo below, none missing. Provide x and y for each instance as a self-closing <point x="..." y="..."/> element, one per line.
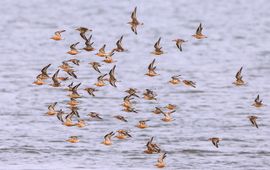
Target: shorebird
<point x="127" y="101"/>
<point x="179" y="43"/>
<point x="122" y="118"/>
<point x="215" y="141"/>
<point x="71" y="72"/>
<point x="239" y="78"/>
<point x="74" y="92"/>
<point x="68" y="118"/>
<point x="152" y="147"/>
<point x="56" y="83"/>
<point x="44" y="73"/>
<point x="65" y="66"/>
<point x="119" y="46"/>
<point x="134" y="21"/>
<point x="149" y="95"/>
<point x="39" y="81"/>
<point x="132" y="92"/>
<point x="101" y="51"/>
<point x="122" y="134"/>
<point x="57" y="35"/>
<point x="253" y="120"/>
<point x="142" y="124"/>
<point x="51" y="109"/>
<point x="73" y="139"/>
<point x="95" y="115"/>
<point x="109" y="58"/>
<point x="74" y="61"/>
<point x="100" y="80"/>
<point x="160" y="162"/>
<point x="73" y="50"/>
<point x="107" y="138"/>
<point x="130" y="109"/>
<point x="88" y="44"/>
<point x="170" y="106"/>
<point x="158" y="48"/>
<point x="95" y="66"/>
<point x="157" y="110"/>
<point x="151" y="69"/>
<point x="73" y="102"/>
<point x="83" y="30"/>
<point x="112" y="79"/>
<point x="175" y="79"/>
<point x="189" y="83"/>
<point x="167" y="116"/>
<point x="257" y="102"/>
<point x="90" y="91"/>
<point x="198" y="33"/>
<point x="81" y="123"/>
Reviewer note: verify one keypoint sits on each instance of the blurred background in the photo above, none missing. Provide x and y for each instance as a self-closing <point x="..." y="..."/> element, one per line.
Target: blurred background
<point x="238" y="35"/>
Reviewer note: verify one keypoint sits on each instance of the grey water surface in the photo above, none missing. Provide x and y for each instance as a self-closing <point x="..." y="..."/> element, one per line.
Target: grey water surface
<point x="238" y="35"/>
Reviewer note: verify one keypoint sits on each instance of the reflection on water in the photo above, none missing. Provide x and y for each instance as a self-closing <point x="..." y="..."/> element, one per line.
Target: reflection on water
<point x="238" y="35"/>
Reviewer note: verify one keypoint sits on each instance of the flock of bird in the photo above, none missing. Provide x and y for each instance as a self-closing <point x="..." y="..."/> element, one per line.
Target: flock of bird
<point x="67" y="119"/>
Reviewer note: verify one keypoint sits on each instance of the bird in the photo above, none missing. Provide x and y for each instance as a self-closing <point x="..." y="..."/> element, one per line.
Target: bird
<point x="122" y="118"/>
<point x="149" y="95"/>
<point x="198" y="34"/>
<point x="122" y="134"/>
<point x="100" y="81"/>
<point x="142" y="124"/>
<point x="130" y="109"/>
<point x="39" y="81"/>
<point x="253" y="120"/>
<point x="170" y="106"/>
<point x="127" y="101"/>
<point x="74" y="92"/>
<point x="57" y="35"/>
<point x="81" y="123"/>
<point x="239" y="78"/>
<point x="107" y="138"/>
<point x="73" y="50"/>
<point x="157" y="110"/>
<point x="160" y="162"/>
<point x="74" y="61"/>
<point x="95" y="66"/>
<point x="175" y="80"/>
<point x="109" y="58"/>
<point x="44" y="73"/>
<point x="51" y="109"/>
<point x="71" y="72"/>
<point x="73" y="139"/>
<point x="56" y="83"/>
<point x="179" y="43"/>
<point x="88" y="43"/>
<point x="158" y="48"/>
<point x="112" y="79"/>
<point x="73" y="102"/>
<point x="257" y="102"/>
<point x="94" y="115"/>
<point x="65" y="66"/>
<point x="167" y="116"/>
<point x="91" y="91"/>
<point x="152" y="147"/>
<point x="67" y="121"/>
<point x="215" y="141"/>
<point x="151" y="69"/>
<point x="134" y="21"/>
<point x="101" y="51"/>
<point x="132" y="92"/>
<point x="119" y="47"/>
<point x="83" y="30"/>
<point x="189" y="83"/>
